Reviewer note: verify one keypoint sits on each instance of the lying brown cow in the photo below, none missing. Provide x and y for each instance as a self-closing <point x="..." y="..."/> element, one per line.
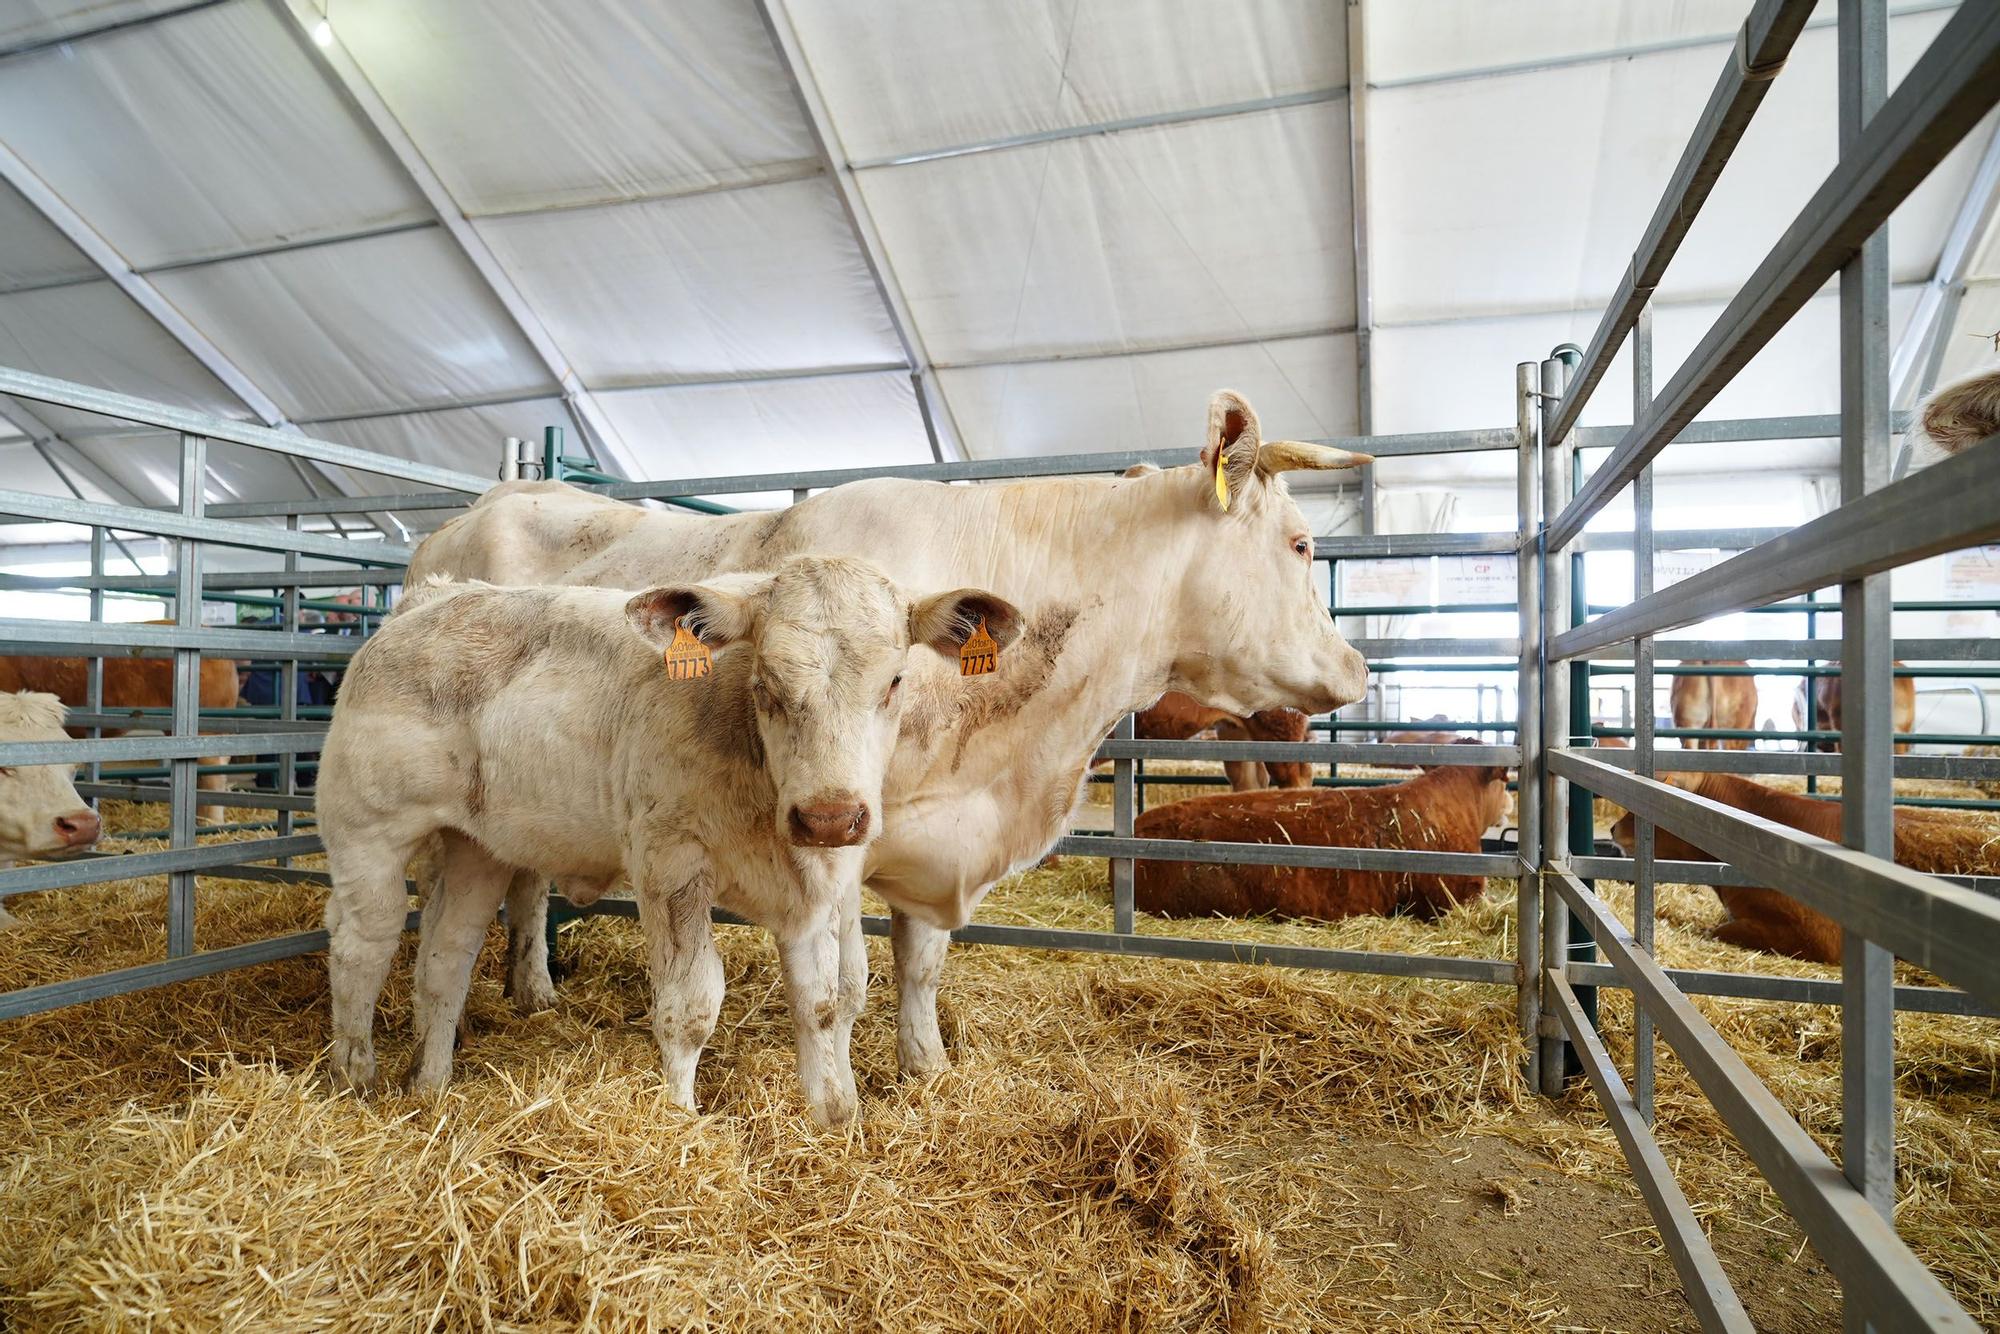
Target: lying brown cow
<point x="129" y="683"/>
<point x="1826" y="709"/>
<point x="1765" y="919"/>
<point x="1715" y="701"/>
<point x="1445" y="809"/>
<point x="1176" y="717"/>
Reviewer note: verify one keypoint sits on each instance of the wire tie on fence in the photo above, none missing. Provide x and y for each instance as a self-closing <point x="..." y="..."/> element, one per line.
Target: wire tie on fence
<point x="1754" y="73"/>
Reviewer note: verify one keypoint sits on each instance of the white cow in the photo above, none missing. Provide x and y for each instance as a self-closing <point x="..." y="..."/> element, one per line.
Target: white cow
<point x="40" y="812"/>
<point x="1135" y="586"/>
<point x="538" y="729"/>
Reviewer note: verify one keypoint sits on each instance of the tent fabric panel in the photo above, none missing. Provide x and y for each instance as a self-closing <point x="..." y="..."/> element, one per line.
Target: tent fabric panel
<point x="520" y="104"/>
<point x="468" y="439"/>
<point x="829" y="421"/>
<point x="32" y="251"/>
<point x="1238" y="227"/>
<point x="94" y="334"/>
<point x="1480" y="209"/>
<point x="391" y="321"/>
<point x="207" y="133"/>
<point x="994" y="71"/>
<point x="1413" y="39"/>
<point x="1300" y="387"/>
<point x="758" y="280"/>
<point x="26" y="21"/>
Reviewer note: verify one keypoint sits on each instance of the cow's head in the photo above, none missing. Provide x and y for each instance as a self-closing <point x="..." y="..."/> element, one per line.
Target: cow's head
<point x="40" y="812"/>
<point x="826" y="641"/>
<point x="1256" y="633"/>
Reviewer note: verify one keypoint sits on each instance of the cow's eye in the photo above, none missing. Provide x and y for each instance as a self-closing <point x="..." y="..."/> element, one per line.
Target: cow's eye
<point x="6" y="773"/>
<point x="890" y="694"/>
<point x="766" y="702"/>
<point x="1303" y="546"/>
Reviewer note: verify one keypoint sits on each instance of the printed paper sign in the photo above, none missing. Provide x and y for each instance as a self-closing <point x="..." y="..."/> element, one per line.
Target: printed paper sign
<point x="1476" y="579"/>
<point x="1974" y="574"/>
<point x="1384" y="583"/>
<point x="1670" y="567"/>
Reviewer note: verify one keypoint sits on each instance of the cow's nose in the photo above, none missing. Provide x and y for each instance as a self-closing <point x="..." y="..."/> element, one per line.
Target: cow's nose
<point x="78" y="829"/>
<point x="839" y="823"/>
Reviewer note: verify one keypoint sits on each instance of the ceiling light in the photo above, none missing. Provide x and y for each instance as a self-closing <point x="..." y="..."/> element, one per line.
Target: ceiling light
<point x="323" y="33"/>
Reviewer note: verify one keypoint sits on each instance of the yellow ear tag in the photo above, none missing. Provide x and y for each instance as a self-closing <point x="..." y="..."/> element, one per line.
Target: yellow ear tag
<point x="979" y="654"/>
<point x="687" y="657"/>
<point x="1222" y="479"/>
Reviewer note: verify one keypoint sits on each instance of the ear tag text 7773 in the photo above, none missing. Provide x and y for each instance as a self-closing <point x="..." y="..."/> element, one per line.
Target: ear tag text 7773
<point x="980" y="654"/>
<point x="687" y="658"/>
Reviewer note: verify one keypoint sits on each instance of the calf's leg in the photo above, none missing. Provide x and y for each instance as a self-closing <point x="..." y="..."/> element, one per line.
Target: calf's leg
<point x="819" y="992"/>
<point x="454" y="925"/>
<point x="364" y="919"/>
<point x="919" y="949"/>
<point x="528" y="981"/>
<point x="674" y="897"/>
<point x="212" y="783"/>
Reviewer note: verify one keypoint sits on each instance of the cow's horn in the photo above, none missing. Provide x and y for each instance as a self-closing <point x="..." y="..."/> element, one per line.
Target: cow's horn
<point x="1297" y="456"/>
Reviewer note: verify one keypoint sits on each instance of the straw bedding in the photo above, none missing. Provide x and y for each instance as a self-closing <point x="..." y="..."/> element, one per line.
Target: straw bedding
<point x="1121" y="1144"/>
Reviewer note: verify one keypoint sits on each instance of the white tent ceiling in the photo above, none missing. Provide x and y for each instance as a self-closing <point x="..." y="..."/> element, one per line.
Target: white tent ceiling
<point x="465" y="221"/>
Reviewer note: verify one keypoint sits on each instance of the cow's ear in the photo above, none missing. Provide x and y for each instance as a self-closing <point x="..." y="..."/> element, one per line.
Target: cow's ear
<point x="1234" y="438"/>
<point x="716" y="616"/>
<point x="945" y="621"/>
<point x="1141" y="470"/>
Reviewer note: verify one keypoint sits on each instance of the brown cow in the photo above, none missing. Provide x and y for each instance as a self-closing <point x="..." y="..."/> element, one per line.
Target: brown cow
<point x="1765" y="919"/>
<point x="1715" y="701"/>
<point x="1965" y="412"/>
<point x="1445" y="809"/>
<point x="1419" y="738"/>
<point x="1176" y="717"/>
<point x="129" y="683"/>
<point x="1826" y="710"/>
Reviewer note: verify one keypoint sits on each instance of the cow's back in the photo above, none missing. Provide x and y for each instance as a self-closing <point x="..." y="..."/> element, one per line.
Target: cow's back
<point x="525" y="533"/>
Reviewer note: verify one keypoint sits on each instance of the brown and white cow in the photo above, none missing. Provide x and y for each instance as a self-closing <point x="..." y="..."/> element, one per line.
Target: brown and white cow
<point x="538" y="729"/>
<point x="129" y="683"/>
<point x="1445" y="809"/>
<point x="1134" y="586"/>
<point x="40" y="813"/>
<point x="1715" y="701"/>
<point x="1766" y="919"/>
<point x="1177" y="716"/>
<point x="1826" y="709"/>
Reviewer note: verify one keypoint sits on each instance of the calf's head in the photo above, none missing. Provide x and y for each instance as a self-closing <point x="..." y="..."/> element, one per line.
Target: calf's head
<point x="825" y="641"/>
<point x="40" y="812"/>
<point x="1253" y="629"/>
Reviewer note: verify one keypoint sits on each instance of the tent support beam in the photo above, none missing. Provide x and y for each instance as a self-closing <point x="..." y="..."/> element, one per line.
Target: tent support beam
<point x="1914" y="366"/>
<point x="947" y="444"/>
<point x="148" y="298"/>
<point x="1364" y="288"/>
<point x="345" y="76"/>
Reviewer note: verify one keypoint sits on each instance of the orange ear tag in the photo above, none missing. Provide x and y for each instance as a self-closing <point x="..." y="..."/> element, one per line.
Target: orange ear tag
<point x="1222" y="479"/>
<point x="979" y="654"/>
<point x="687" y="657"/>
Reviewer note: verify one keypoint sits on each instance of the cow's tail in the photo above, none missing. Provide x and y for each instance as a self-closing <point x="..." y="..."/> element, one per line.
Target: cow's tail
<point x="1960" y="415"/>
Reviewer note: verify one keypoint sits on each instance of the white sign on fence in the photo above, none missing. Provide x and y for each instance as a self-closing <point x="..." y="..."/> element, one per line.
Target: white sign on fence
<point x="1379" y="583"/>
<point x="1476" y="579"/>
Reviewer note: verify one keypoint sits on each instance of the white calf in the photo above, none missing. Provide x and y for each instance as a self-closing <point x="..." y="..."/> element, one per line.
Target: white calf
<point x="537" y="729"/>
<point x="40" y="813"/>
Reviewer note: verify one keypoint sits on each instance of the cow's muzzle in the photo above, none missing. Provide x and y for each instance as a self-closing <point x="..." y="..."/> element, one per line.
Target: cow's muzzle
<point x="840" y="822"/>
<point x="78" y="829"/>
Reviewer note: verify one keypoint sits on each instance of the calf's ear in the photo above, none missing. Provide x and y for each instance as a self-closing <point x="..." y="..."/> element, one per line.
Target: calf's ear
<point x="716" y="616"/>
<point x="946" y="620"/>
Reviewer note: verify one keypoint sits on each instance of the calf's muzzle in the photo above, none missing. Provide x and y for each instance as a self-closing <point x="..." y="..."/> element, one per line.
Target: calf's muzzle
<point x="840" y="822"/>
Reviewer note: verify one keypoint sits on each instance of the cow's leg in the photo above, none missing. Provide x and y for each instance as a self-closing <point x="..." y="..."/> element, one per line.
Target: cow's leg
<point x="453" y="927"/>
<point x="674" y="899"/>
<point x="212" y="783"/>
<point x="365" y="909"/>
<point x="1244" y="775"/>
<point x="919" y="949"/>
<point x="528" y="980"/>
<point x="815" y="987"/>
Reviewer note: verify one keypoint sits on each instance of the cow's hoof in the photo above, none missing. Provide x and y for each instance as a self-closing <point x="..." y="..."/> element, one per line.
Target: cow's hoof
<point x="531" y="990"/>
<point x="351" y="1068"/>
<point x="914" y="1064"/>
<point x="835" y="1113"/>
<point x="417" y="1081"/>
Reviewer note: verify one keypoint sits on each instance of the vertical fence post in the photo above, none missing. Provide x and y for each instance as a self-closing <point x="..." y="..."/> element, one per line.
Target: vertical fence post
<point x="1867" y="1136"/>
<point x="1642" y="710"/>
<point x="288" y="686"/>
<point x="1527" y="720"/>
<point x="1555" y="714"/>
<point x="93" y="698"/>
<point x="187" y="698"/>
<point x="1122" y="808"/>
